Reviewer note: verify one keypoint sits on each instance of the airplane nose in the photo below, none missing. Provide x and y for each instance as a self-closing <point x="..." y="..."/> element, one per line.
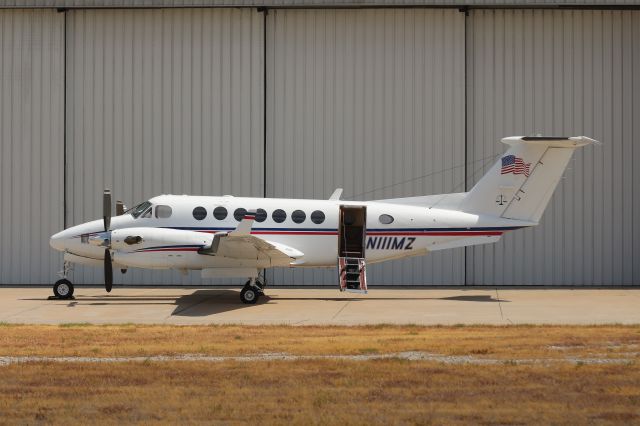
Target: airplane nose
<point x="57" y="241"/>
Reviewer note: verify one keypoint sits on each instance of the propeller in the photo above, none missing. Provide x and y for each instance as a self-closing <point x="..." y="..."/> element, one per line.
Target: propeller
<point x="106" y="216"/>
<point x="106" y="209"/>
<point x="108" y="271"/>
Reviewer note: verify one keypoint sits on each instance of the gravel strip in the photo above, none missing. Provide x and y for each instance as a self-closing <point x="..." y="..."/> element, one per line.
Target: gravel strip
<point x="410" y="356"/>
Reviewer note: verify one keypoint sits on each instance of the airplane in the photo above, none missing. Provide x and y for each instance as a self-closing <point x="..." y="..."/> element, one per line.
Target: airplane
<point x="229" y="236"/>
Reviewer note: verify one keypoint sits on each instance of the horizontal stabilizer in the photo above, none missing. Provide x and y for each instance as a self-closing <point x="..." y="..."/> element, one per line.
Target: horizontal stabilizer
<point x="552" y="141"/>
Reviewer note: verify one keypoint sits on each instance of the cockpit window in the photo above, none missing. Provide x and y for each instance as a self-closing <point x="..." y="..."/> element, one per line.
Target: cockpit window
<point x="139" y="209"/>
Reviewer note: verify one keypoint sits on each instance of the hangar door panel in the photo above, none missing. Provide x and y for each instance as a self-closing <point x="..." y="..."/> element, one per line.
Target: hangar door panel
<point x="372" y="101"/>
<point x="31" y="144"/>
<point x="162" y="101"/>
<point x="561" y="73"/>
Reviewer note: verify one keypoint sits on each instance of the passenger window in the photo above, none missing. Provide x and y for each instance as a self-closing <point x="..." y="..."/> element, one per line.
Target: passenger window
<point x="239" y="213"/>
<point x="298" y="216"/>
<point x="163" y="212"/>
<point x="317" y="217"/>
<point x="279" y="216"/>
<point x="261" y="215"/>
<point x="199" y="213"/>
<point x="220" y="213"/>
<point x="385" y="219"/>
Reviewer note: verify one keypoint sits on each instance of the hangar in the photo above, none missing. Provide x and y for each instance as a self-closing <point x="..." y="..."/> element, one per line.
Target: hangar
<point x="293" y="98"/>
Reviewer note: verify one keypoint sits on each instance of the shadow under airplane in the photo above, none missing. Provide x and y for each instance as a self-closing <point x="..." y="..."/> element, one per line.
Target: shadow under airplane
<point x="214" y="301"/>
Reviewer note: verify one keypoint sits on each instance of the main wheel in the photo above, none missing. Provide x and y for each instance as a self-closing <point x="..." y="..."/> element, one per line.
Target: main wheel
<point x="63" y="289"/>
<point x="258" y="284"/>
<point x="249" y="295"/>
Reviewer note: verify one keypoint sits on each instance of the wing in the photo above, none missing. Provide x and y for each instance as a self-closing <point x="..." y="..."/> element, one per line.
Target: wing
<point x="250" y="247"/>
<point x="240" y="244"/>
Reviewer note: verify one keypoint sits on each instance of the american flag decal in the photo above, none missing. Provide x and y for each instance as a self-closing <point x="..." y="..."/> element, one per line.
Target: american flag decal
<point x="515" y="165"/>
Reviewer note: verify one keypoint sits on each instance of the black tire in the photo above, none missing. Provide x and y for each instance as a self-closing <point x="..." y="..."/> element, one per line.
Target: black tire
<point x="249" y="295"/>
<point x="63" y="289"/>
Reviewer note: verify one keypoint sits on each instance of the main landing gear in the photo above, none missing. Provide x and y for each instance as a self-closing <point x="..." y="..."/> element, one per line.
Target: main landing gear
<point x="252" y="290"/>
<point x="63" y="289"/>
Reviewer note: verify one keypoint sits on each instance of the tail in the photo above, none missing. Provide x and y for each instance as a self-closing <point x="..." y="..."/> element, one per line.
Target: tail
<point x="519" y="186"/>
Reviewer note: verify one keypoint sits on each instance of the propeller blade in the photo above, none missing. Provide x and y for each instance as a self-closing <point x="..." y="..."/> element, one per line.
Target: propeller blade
<point x="108" y="271"/>
<point x="106" y="209"/>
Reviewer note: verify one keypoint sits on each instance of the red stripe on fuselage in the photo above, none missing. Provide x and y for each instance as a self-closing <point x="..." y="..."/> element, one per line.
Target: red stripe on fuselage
<point x="435" y="233"/>
<point x="295" y="232"/>
<point x="378" y="233"/>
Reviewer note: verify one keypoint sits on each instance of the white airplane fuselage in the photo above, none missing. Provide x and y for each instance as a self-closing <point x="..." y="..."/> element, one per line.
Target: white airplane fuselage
<point x="415" y="230"/>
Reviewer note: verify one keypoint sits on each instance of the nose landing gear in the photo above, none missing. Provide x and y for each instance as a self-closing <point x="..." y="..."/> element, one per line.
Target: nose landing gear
<point x="63" y="289"/>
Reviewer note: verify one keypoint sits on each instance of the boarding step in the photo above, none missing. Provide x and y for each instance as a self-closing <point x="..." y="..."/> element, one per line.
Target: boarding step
<point x="353" y="275"/>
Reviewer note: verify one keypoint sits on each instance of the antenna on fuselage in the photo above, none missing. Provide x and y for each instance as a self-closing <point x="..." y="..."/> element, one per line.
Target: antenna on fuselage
<point x="336" y="194"/>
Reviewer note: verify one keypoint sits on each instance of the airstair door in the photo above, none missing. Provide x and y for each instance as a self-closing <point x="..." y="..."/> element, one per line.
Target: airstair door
<point x="352" y="232"/>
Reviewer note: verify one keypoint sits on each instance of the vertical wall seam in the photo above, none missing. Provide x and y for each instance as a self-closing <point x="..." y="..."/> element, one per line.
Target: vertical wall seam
<point x="264" y="11"/>
<point x="466" y="132"/>
<point x="64" y="120"/>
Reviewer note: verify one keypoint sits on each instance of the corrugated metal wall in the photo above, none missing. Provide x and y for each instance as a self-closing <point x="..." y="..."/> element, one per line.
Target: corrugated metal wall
<point x="562" y="72"/>
<point x="162" y="101"/>
<point x="31" y="143"/>
<point x="173" y="101"/>
<point x="362" y="99"/>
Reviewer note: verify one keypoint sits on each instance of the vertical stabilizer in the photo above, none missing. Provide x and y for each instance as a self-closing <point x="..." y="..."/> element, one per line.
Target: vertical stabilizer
<point x="519" y="186"/>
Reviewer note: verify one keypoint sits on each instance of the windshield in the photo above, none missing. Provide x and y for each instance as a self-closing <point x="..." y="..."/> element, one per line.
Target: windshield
<point x="139" y="209"/>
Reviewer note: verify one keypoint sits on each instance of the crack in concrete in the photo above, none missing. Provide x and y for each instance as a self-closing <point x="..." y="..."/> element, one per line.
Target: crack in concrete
<point x="340" y="310"/>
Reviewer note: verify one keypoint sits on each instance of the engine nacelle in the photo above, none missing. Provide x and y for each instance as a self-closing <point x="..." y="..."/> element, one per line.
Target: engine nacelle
<point x="130" y="239"/>
<point x="159" y="248"/>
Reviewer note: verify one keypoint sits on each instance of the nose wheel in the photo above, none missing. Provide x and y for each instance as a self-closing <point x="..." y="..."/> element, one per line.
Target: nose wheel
<point x="63" y="289"/>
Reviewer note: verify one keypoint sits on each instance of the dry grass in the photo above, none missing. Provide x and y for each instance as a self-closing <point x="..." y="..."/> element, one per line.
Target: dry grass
<point x="318" y="392"/>
<point x="387" y="391"/>
<point x="495" y="342"/>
